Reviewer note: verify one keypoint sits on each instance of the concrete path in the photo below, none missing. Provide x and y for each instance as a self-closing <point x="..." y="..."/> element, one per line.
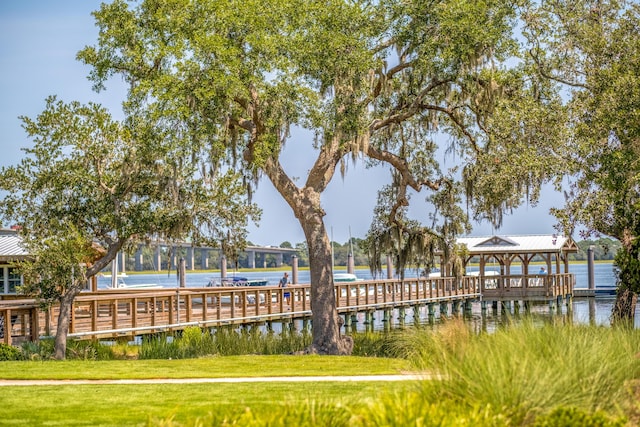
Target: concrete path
<point x="409" y="377"/>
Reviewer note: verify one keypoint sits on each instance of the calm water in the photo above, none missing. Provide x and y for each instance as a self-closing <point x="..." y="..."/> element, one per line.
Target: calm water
<point x="592" y="310"/>
<point x="603" y="274"/>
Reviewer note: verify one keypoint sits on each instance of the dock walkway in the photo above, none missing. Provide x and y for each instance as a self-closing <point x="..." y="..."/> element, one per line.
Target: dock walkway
<point x="121" y="314"/>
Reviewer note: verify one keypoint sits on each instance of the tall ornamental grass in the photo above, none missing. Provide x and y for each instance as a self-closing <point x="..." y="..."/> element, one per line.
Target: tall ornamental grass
<point x="196" y="342"/>
<point x="528" y="369"/>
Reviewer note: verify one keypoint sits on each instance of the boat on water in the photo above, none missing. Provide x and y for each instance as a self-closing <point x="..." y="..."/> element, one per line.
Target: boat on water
<point x="122" y="286"/>
<point x="109" y="275"/>
<point x="345" y="277"/>
<point x="236" y="281"/>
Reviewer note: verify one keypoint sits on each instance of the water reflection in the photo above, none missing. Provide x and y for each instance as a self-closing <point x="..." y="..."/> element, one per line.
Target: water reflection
<point x="591" y="311"/>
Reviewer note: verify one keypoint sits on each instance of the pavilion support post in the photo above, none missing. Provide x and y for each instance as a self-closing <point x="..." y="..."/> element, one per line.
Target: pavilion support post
<point x="516" y="307"/>
<point x="483" y="307"/>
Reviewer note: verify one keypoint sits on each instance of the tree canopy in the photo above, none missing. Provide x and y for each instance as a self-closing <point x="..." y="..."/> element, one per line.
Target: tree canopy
<point x="383" y="82"/>
<point x="92" y="186"/>
<point x="591" y="49"/>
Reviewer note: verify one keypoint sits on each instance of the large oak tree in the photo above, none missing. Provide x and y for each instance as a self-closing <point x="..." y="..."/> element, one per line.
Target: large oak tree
<point x="380" y="81"/>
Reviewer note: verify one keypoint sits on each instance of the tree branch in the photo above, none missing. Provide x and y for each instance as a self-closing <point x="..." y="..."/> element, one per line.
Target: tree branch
<point x="401" y="165"/>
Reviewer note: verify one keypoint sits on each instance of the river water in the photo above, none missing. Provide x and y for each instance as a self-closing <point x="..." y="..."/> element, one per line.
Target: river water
<point x="582" y="310"/>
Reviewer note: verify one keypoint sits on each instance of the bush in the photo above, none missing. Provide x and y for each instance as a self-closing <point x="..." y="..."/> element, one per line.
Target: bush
<point x="525" y="368"/>
<point x="41" y="350"/>
<point x="570" y="417"/>
<point x="9" y="352"/>
<point x="374" y="344"/>
<point x="194" y="342"/>
<point x="89" y="350"/>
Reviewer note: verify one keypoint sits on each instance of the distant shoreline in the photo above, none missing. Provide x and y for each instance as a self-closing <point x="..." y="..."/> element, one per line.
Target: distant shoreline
<point x="306" y="268"/>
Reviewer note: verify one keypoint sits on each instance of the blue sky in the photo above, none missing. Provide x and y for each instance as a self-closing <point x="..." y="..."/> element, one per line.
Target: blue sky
<point x="39" y="40"/>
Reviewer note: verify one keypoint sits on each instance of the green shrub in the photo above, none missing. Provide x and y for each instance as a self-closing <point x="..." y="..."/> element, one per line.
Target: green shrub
<point x="9" y="352"/>
<point x="89" y="350"/>
<point x="525" y="368"/>
<point x="570" y="417"/>
<point x="225" y="341"/>
<point x="411" y="409"/>
<point x="309" y="414"/>
<point x="374" y="344"/>
<point x="41" y="350"/>
<point x="161" y="346"/>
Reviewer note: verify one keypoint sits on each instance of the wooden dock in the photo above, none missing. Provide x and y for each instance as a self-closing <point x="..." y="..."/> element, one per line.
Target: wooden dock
<point x="121" y="314"/>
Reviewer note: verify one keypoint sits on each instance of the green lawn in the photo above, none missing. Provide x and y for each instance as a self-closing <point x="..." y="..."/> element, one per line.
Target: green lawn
<point x="211" y="367"/>
<point x="135" y="405"/>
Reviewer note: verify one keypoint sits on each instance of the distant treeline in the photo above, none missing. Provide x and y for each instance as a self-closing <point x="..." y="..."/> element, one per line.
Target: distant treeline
<point x="340" y="254"/>
<point x="603" y="249"/>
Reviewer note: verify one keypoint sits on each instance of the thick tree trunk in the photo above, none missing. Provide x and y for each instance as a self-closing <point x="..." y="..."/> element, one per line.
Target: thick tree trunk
<point x="624" y="308"/>
<point x="64" y="320"/>
<point x="628" y="283"/>
<point x="325" y="320"/>
<point x="306" y="206"/>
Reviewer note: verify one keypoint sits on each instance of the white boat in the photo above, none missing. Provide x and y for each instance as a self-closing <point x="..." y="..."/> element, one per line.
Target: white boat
<point x="121" y="286"/>
<point x="236" y="281"/>
<point x="109" y="275"/>
<point x="345" y="277"/>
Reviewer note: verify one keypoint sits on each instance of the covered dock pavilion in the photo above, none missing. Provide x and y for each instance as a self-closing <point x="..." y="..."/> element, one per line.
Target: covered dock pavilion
<point x="506" y="267"/>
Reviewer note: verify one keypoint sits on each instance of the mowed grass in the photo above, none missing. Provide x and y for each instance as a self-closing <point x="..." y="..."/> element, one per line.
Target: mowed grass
<point x="209" y="367"/>
<point x="153" y="404"/>
<point x="183" y="404"/>
<point x="523" y="374"/>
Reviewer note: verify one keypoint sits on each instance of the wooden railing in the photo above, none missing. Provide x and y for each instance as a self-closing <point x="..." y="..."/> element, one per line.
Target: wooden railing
<point x="136" y="312"/>
<point x="535" y="286"/>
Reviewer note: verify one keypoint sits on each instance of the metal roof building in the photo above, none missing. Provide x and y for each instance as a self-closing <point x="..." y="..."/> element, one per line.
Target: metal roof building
<point x="10" y="246"/>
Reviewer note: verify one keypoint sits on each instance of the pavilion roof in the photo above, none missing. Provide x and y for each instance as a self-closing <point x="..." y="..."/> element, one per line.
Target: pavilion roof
<point x="533" y="244"/>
